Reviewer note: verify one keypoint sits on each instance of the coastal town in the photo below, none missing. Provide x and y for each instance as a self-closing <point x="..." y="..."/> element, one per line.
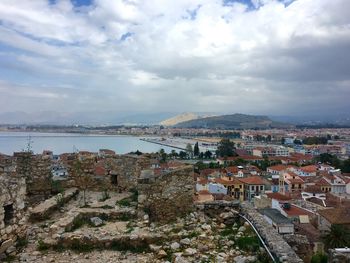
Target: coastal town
<point x="241" y="196"/>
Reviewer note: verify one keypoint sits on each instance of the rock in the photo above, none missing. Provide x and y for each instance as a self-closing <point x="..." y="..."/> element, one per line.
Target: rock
<point x="5" y="245"/>
<point x="202" y="248"/>
<point x="96" y="221"/>
<point x="175" y="246"/>
<point x="242" y="229"/>
<point x="146" y="217"/>
<point x="180" y="259"/>
<point x="154" y="248"/>
<point x="190" y="252"/>
<point x="185" y="241"/>
<point x="206" y="227"/>
<point x="162" y="254"/>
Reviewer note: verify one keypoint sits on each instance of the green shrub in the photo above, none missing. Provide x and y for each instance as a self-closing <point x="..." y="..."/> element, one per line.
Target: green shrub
<point x="10" y="258"/>
<point x="248" y="243"/>
<point x="319" y="258"/>
<point x="42" y="246"/>
<point x="124" y="202"/>
<point x="78" y="222"/>
<point x="121" y="246"/>
<point x="105" y="196"/>
<point x="135" y="194"/>
<point x="77" y="246"/>
<point x="21" y="242"/>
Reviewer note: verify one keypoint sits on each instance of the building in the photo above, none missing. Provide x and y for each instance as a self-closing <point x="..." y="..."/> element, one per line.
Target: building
<point x="235" y="187"/>
<point x="278" y="221"/>
<point x="253" y="186"/>
<point x="333" y="216"/>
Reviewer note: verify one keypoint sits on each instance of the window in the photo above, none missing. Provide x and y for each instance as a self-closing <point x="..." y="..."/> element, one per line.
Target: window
<point x="8" y="214"/>
<point x="114" y="179"/>
<point x="261" y="187"/>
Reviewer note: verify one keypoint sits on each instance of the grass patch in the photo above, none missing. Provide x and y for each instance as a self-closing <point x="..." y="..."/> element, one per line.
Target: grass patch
<point x="78" y="222"/>
<point x="120" y="246"/>
<point x="124" y="217"/>
<point x="79" y="247"/>
<point x="248" y="243"/>
<point x="59" y="248"/>
<point x="105" y="196"/>
<point x="135" y="194"/>
<point x="21" y="242"/>
<point x="107" y="207"/>
<point x="193" y="234"/>
<point x="42" y="246"/>
<point x="10" y="258"/>
<point x="228" y="231"/>
<point x="124" y="202"/>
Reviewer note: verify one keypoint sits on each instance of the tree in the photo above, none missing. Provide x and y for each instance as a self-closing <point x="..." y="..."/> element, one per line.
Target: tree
<point x="196" y="149"/>
<point x="208" y="154"/>
<point x="189" y="150"/>
<point x="83" y="181"/>
<point x="174" y="154"/>
<point x="182" y="155"/>
<point x="226" y="148"/>
<point x="283" y="140"/>
<point x="162" y="155"/>
<point x="337" y="237"/>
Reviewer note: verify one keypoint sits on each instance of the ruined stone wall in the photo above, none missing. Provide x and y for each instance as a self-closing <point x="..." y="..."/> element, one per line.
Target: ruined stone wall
<point x="122" y="172"/>
<point x="166" y="196"/>
<point x="128" y="169"/>
<point x="278" y="246"/>
<point x="12" y="220"/>
<point x="37" y="171"/>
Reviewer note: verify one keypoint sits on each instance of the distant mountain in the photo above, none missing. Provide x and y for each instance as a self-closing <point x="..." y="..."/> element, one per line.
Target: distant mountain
<point x="233" y="121"/>
<point x="188" y="116"/>
<point x="83" y="118"/>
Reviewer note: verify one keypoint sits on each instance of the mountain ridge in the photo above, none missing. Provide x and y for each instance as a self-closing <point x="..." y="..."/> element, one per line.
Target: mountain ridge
<point x="234" y="121"/>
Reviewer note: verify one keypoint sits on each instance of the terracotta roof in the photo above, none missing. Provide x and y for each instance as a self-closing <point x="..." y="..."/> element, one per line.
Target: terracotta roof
<point x="278" y="196"/>
<point x="323" y="182"/>
<point x="232" y="169"/>
<point x="309" y="168"/>
<point x="227" y="182"/>
<point x="204" y="192"/>
<point x="209" y="171"/>
<point x="252" y="180"/>
<point x="296" y="211"/>
<point x="336" y="215"/>
<point x="313" y="189"/>
<point x="202" y="180"/>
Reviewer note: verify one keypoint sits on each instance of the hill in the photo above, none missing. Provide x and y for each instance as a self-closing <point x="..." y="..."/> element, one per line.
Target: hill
<point x="233" y="121"/>
<point x="188" y="116"/>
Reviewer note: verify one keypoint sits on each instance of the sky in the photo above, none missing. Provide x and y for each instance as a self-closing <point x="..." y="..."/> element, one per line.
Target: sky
<point x="275" y="57"/>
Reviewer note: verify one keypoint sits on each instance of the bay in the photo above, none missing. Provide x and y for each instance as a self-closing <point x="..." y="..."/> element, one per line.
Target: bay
<point x="67" y="142"/>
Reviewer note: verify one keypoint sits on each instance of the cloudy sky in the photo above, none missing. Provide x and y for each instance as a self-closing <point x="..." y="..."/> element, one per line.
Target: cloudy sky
<point x="275" y="57"/>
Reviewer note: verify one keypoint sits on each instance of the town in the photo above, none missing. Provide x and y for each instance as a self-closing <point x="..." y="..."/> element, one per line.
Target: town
<point x="283" y="192"/>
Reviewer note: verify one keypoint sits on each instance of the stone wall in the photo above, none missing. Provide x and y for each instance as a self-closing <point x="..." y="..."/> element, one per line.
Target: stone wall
<point x="12" y="220"/>
<point x="122" y="171"/>
<point x="166" y="196"/>
<point x="37" y="171"/>
<point x="339" y="255"/>
<point x="279" y="247"/>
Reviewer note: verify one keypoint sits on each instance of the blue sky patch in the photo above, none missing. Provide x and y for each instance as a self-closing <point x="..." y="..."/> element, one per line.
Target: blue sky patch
<point x="125" y="36"/>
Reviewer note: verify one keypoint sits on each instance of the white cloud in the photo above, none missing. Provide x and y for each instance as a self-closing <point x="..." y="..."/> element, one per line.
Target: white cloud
<point x="230" y="58"/>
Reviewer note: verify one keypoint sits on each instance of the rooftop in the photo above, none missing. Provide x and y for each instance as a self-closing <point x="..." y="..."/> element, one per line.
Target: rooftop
<point x="275" y="215"/>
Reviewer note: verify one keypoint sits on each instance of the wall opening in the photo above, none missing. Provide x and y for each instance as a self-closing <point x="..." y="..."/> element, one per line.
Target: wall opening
<point x="9" y="214"/>
<point x="114" y="179"/>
